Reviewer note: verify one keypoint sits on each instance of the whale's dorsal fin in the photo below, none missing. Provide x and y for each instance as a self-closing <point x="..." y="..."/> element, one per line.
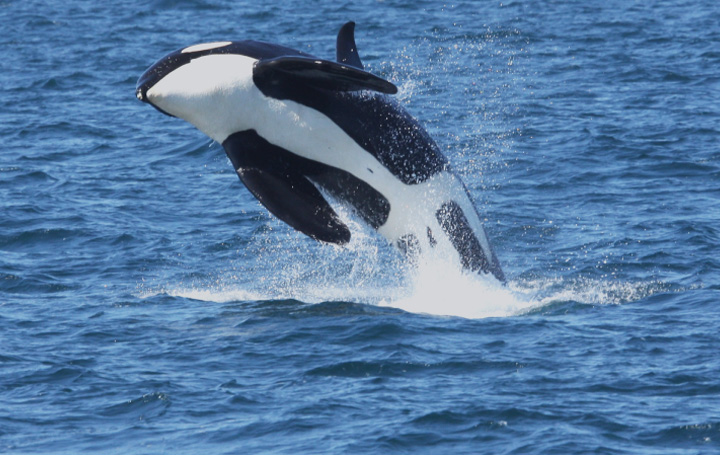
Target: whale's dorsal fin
<point x="322" y="74"/>
<point x="346" y="49"/>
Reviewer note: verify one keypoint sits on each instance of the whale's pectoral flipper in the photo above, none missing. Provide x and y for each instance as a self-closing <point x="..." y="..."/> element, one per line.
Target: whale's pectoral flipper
<point x="346" y="49"/>
<point x="322" y="74"/>
<point x="295" y="200"/>
<point x="283" y="189"/>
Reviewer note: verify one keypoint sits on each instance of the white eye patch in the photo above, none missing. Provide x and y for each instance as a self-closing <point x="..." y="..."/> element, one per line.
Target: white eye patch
<point x="205" y="47"/>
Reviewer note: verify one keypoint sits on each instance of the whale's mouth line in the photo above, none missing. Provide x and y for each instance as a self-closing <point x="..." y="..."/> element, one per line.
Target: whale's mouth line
<point x="141" y="94"/>
<point x="145" y="83"/>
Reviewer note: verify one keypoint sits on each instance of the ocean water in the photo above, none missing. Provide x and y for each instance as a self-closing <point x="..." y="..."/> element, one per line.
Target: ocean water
<point x="149" y="304"/>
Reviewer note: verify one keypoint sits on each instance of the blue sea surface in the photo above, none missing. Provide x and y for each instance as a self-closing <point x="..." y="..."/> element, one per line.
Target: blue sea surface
<point x="149" y="304"/>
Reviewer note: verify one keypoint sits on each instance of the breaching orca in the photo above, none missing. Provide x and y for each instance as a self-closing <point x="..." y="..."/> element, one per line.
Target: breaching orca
<point x="297" y="127"/>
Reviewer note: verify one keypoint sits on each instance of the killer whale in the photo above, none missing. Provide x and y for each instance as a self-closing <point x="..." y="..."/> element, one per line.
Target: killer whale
<point x="297" y="128"/>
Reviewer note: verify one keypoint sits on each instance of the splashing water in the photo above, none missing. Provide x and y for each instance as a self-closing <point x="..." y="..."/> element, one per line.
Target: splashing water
<point x="368" y="271"/>
<point x="438" y="289"/>
<point x="431" y="288"/>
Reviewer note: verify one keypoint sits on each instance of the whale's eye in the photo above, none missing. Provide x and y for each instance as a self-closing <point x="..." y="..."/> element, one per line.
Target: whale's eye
<point x="205" y="46"/>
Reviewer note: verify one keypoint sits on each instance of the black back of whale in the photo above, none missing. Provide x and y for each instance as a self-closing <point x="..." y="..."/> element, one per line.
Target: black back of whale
<point x="374" y="121"/>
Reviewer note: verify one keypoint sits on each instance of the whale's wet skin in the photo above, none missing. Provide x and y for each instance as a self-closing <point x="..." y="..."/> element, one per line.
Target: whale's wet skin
<point x="293" y="124"/>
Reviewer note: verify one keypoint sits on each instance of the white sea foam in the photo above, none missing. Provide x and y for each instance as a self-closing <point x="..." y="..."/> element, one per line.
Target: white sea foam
<point x="438" y="289"/>
<point x="430" y="288"/>
<point x="283" y="266"/>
